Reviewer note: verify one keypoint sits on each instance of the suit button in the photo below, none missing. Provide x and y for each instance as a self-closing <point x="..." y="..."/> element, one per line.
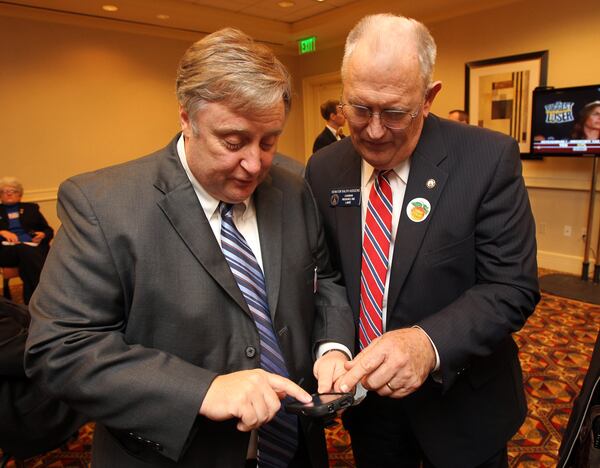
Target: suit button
<point x="250" y="352"/>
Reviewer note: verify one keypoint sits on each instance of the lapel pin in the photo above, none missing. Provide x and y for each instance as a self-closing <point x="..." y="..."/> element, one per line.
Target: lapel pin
<point x="430" y="183"/>
<point x="418" y="209"/>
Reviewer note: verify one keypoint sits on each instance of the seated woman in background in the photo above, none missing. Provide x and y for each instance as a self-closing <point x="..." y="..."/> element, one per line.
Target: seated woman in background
<point x="587" y="126"/>
<point x="25" y="235"/>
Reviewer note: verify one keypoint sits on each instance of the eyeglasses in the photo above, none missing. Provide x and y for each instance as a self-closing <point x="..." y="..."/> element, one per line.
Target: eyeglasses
<point x="9" y="191"/>
<point x="394" y="119"/>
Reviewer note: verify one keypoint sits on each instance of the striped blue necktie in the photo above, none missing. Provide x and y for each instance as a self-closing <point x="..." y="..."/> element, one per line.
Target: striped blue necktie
<point x="277" y="440"/>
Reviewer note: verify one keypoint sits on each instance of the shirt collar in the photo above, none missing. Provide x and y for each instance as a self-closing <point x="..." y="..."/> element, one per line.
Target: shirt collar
<point x="401" y="170"/>
<point x="209" y="203"/>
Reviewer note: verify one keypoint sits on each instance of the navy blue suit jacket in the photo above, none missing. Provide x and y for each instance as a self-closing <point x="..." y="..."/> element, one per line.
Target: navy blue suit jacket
<point x="467" y="275"/>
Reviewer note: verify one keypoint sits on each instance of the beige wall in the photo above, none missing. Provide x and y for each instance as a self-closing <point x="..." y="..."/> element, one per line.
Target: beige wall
<point x="75" y="99"/>
<point x="78" y="96"/>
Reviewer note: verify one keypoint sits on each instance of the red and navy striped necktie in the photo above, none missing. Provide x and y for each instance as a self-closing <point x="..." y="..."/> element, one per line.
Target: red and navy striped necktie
<point x="375" y="259"/>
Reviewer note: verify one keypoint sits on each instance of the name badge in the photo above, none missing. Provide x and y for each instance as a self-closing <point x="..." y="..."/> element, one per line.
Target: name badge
<point x="13" y="215"/>
<point x="344" y="197"/>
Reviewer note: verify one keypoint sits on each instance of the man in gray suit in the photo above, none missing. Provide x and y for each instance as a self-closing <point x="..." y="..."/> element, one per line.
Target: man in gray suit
<point x="189" y="291"/>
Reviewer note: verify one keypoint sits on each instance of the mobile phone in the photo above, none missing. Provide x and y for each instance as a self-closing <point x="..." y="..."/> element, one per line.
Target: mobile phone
<point x="322" y="404"/>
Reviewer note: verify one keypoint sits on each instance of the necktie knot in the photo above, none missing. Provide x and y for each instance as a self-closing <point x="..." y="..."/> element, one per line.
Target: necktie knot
<point x="385" y="174"/>
<point x="226" y="209"/>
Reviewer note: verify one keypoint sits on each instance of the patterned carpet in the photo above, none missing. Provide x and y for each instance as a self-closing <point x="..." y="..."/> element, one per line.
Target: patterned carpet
<point x="555" y="348"/>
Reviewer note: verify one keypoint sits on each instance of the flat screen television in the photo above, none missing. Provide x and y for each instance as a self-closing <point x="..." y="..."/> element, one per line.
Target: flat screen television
<point x="566" y="121"/>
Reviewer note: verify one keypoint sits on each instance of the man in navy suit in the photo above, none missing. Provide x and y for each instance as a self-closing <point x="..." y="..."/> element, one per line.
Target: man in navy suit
<point x="438" y="360"/>
<point x="25" y="235"/>
<point x="334" y="121"/>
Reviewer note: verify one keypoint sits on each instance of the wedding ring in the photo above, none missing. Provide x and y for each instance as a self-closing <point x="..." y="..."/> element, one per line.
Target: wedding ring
<point x="390" y="387"/>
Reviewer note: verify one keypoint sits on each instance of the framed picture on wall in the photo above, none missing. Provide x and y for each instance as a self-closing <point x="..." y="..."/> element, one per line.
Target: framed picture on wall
<point x="499" y="91"/>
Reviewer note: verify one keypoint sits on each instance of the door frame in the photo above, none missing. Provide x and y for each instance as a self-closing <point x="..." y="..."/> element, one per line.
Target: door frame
<point x="312" y="124"/>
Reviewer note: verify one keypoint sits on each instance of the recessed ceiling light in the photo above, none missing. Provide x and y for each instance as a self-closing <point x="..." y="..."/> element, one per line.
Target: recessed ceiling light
<point x="320" y="1"/>
<point x="286" y="4"/>
<point x="110" y="8"/>
<point x="162" y="16"/>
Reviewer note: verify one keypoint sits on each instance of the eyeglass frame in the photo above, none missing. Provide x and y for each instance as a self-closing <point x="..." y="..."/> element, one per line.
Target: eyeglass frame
<point x="412" y="115"/>
<point x="10" y="191"/>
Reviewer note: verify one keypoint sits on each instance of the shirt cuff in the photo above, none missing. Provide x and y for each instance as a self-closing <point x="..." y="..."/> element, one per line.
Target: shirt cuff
<point x="332" y="346"/>
<point x="437" y="356"/>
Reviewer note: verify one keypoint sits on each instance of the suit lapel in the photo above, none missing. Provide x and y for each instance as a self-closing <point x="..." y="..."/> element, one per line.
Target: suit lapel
<point x="181" y="206"/>
<point x="268" y="202"/>
<point x="424" y="167"/>
<point x="348" y="221"/>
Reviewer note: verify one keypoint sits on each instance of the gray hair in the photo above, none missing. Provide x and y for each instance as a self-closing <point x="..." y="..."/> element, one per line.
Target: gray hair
<point x="11" y="182"/>
<point x="229" y="66"/>
<point x="380" y="25"/>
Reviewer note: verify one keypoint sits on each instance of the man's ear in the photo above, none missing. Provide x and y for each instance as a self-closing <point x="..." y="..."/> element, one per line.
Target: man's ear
<point x="186" y="124"/>
<point x="431" y="94"/>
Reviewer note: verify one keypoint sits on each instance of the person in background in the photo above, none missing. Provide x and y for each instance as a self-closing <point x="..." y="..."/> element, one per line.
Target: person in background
<point x="587" y="126"/>
<point x="459" y="115"/>
<point x="188" y="292"/>
<point x="25" y="235"/>
<point x="431" y="225"/>
<point x="334" y="122"/>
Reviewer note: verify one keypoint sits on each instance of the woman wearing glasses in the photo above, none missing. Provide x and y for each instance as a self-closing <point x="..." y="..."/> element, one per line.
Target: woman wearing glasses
<point x="25" y="235"/>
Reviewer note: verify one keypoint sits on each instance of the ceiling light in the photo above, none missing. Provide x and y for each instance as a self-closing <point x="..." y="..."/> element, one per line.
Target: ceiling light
<point x="110" y="8"/>
<point x="285" y="4"/>
<point x="162" y="16"/>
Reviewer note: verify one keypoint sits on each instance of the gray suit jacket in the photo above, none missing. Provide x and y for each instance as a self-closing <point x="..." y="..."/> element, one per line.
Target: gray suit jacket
<point x="288" y="163"/>
<point x="137" y="311"/>
<point x="467" y="275"/>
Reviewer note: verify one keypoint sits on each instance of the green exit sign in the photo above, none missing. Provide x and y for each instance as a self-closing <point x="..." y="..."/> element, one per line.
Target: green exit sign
<point x="307" y="45"/>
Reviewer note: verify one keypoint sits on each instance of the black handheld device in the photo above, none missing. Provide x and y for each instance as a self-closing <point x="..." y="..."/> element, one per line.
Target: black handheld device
<point x="322" y="404"/>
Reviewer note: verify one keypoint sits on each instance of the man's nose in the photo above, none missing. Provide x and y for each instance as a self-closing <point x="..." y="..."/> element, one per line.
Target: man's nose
<point x="375" y="128"/>
<point x="252" y="162"/>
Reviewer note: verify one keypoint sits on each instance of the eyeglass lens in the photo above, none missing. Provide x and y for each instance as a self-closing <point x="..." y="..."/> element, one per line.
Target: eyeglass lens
<point x="390" y="118"/>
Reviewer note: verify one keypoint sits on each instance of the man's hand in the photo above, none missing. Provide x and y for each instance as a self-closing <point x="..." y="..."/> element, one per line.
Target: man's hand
<point x="394" y="365"/>
<point x="329" y="368"/>
<point x="252" y="396"/>
<point x="9" y="236"/>
<point x="38" y="236"/>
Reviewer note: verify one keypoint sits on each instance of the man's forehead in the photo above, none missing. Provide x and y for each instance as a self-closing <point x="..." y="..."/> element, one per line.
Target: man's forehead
<point x="383" y="75"/>
<point x="370" y="56"/>
<point x="227" y="115"/>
